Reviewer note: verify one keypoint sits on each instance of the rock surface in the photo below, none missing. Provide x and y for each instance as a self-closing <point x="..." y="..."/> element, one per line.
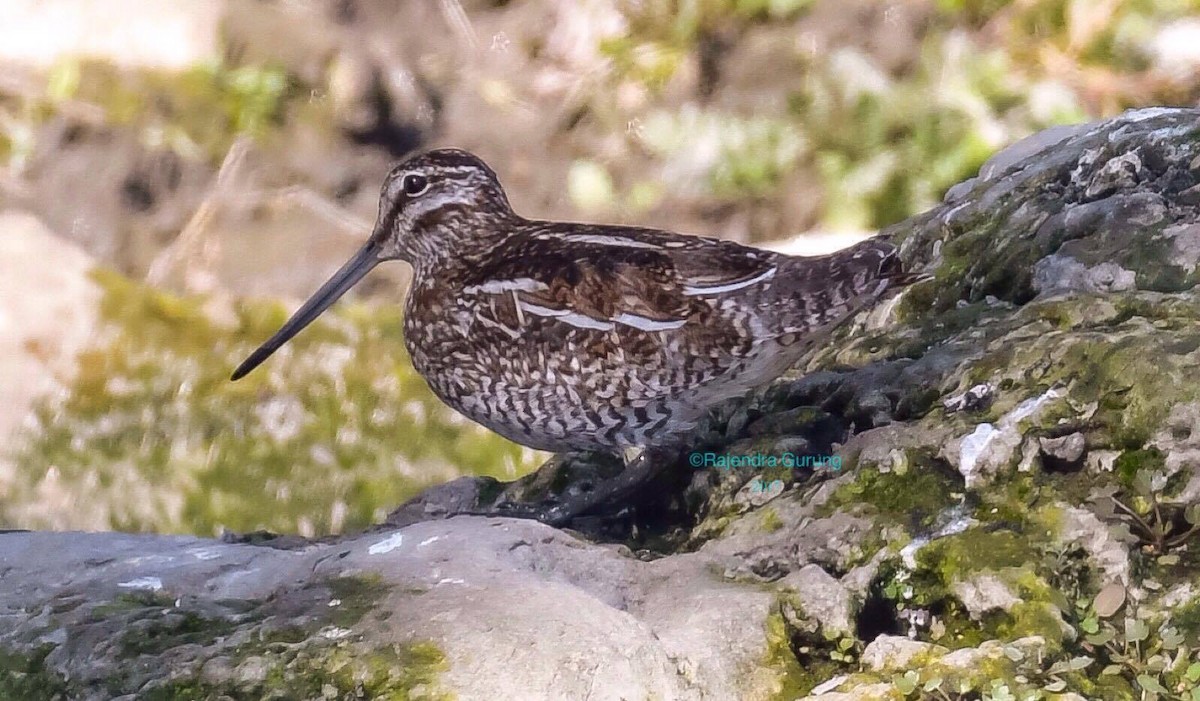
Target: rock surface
<point x="486" y="608"/>
<point x="1012" y="513"/>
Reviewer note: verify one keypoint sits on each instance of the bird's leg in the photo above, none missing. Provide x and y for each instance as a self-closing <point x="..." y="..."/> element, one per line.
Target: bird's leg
<point x="610" y="492"/>
<point x="613" y="492"/>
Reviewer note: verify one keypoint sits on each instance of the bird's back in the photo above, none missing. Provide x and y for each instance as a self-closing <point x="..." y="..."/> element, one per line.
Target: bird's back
<point x="571" y="336"/>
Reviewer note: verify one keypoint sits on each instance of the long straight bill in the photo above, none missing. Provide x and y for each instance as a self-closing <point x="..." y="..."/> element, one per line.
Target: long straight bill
<point x="338" y="285"/>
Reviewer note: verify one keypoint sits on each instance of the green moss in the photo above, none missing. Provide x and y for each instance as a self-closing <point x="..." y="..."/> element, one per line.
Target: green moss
<point x="1132" y="372"/>
<point x="770" y="520"/>
<point x="299" y="662"/>
<point x="1133" y="394"/>
<point x="1186" y="617"/>
<point x="966" y="259"/>
<point x="562" y="478"/>
<point x="793" y="679"/>
<point x="357" y="596"/>
<point x="913" y="498"/>
<point x="155" y="624"/>
<point x="162" y="633"/>
<point x="286" y="635"/>
<point x="389" y="673"/>
<point x="25" y="676"/>
<point x="1129" y="463"/>
<point x="1032" y="618"/>
<point x="1009" y="503"/>
<point x="974" y="550"/>
<point x="490" y="489"/>
<point x="1013" y="557"/>
<point x="934" y="328"/>
<point x="333" y="432"/>
<point x="962" y="631"/>
<point x="133" y="601"/>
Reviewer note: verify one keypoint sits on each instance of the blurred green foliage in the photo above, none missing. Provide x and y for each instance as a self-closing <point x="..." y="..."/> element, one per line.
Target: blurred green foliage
<point x="737" y="157"/>
<point x="197" y="112"/>
<point x="332" y="433"/>
<point x="681" y="22"/>
<point x="883" y="140"/>
<point x="888" y="149"/>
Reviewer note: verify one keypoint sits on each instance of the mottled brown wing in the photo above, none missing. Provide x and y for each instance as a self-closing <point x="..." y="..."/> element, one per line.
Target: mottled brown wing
<point x="621" y="275"/>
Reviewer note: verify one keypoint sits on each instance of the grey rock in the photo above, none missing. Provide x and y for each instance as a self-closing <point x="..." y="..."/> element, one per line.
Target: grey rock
<point x="1185" y="242"/>
<point x="455" y="496"/>
<point x="1179" y="441"/>
<point x="1116" y="173"/>
<point x="974" y="399"/>
<point x="1023" y="151"/>
<point x="959" y="191"/>
<point x="1065" y="450"/>
<point x="983" y="593"/>
<point x="821" y="599"/>
<point x="893" y="652"/>
<point x="1106" y="552"/>
<point x="990" y="448"/>
<point x="632" y="629"/>
<point x="1059" y="273"/>
<point x="859" y="692"/>
<point x="971" y="658"/>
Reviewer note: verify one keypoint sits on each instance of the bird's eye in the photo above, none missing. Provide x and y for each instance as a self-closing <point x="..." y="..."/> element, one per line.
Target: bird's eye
<point x="415" y="184"/>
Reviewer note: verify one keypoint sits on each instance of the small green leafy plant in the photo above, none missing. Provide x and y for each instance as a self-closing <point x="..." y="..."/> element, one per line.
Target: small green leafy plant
<point x="1143" y="515"/>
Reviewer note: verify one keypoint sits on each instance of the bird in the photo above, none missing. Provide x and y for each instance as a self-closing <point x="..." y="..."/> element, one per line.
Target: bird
<point x="566" y="336"/>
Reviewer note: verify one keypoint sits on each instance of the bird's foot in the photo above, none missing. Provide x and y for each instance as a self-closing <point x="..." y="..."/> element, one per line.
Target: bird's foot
<point x="549" y="513"/>
<point x="585" y="497"/>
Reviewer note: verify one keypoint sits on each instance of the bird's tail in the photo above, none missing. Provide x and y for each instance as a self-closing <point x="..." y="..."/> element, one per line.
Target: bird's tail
<point x="836" y="286"/>
<point x="889" y="273"/>
<point x="895" y="278"/>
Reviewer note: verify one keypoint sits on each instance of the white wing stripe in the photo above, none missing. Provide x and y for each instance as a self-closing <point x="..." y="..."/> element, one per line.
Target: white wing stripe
<point x="572" y="318"/>
<point x="646" y="324"/>
<point x="521" y="284"/>
<point x="603" y="240"/>
<point x="693" y="290"/>
<point x="586" y="322"/>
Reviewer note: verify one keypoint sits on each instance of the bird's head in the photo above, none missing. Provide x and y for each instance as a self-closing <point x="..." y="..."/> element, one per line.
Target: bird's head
<point x="433" y="206"/>
<point x="439" y="203"/>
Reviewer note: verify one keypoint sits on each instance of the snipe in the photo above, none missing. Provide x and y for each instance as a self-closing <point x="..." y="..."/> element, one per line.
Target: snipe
<point x="566" y="336"/>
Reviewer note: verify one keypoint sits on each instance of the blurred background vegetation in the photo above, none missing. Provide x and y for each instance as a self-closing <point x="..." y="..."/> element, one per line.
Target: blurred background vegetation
<point x="215" y="160"/>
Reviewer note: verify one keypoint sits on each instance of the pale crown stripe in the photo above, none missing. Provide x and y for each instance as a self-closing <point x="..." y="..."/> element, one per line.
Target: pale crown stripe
<point x="693" y="290"/>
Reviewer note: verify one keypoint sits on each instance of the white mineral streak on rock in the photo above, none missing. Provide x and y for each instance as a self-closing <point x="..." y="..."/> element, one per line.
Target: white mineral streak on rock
<point x="387" y="545"/>
<point x="143" y="584"/>
<point x="989" y="446"/>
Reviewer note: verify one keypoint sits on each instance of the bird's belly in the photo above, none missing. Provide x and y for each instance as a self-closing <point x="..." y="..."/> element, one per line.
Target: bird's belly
<point x="582" y="389"/>
<point x="553" y="396"/>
